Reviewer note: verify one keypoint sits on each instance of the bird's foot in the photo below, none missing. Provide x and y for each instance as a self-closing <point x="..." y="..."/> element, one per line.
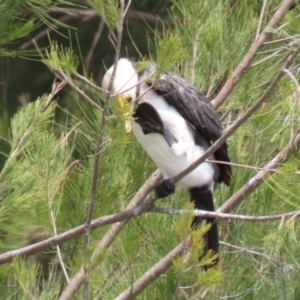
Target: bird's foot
<point x="164" y="189"/>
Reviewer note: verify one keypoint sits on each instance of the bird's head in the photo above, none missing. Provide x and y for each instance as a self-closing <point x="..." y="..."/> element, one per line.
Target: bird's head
<point x="124" y="87"/>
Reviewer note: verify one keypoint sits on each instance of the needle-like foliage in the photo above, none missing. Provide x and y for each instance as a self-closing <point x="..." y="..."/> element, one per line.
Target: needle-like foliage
<point x="46" y="184"/>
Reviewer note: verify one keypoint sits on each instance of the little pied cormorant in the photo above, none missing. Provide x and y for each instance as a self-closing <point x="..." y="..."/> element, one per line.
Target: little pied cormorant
<point x="175" y="124"/>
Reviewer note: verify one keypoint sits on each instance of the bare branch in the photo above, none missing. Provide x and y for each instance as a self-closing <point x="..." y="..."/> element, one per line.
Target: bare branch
<point x="236" y="199"/>
<point x="56" y="87"/>
<point x="68" y="235"/>
<point x="274" y="52"/>
<point x="134" y="206"/>
<point x="98" y="157"/>
<point x="52" y="217"/>
<point x="194" y="57"/>
<point x="263" y="9"/>
<point x="94" y="44"/>
<point x="93" y="85"/>
<point x="125" y="11"/>
<point x="243" y="249"/>
<point x="133" y="209"/>
<point x="248" y="58"/>
<point x="238" y="165"/>
<point x="131" y="15"/>
<point x="136" y="201"/>
<point x="218" y="215"/>
<point x="86" y="14"/>
<point x="62" y="75"/>
<point x="294" y="79"/>
<point x="231" y="129"/>
<point x="45" y="32"/>
<point x="152" y="274"/>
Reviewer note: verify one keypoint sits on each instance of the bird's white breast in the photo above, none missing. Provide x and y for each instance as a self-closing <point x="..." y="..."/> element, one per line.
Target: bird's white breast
<point x="173" y="160"/>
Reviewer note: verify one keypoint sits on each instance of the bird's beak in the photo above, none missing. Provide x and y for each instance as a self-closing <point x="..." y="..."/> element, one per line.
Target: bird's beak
<point x="126" y="112"/>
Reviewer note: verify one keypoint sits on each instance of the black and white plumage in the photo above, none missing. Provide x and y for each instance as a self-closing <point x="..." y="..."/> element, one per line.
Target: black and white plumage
<point x="175" y="124"/>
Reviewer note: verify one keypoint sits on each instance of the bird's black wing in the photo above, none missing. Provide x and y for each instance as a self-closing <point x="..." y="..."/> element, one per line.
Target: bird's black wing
<point x="197" y="110"/>
<point x="148" y="118"/>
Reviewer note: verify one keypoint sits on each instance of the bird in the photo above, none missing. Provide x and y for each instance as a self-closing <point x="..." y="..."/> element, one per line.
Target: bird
<point x="175" y="124"/>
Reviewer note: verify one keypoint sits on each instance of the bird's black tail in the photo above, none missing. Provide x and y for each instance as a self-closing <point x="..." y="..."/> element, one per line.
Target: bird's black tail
<point x="203" y="199"/>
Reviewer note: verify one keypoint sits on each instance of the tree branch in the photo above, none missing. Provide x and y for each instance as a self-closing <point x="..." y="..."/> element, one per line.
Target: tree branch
<point x="255" y="47"/>
<point x="71" y="13"/>
<point x="232" y="128"/>
<point x="152" y="274"/>
<point x="63" y="76"/>
<point x="243" y="249"/>
<point x="68" y="235"/>
<point x="120" y="220"/>
<point x="218" y="143"/>
<point x="236" y="199"/>
<point x="219" y="215"/>
<point x="93" y="45"/>
<point x="106" y="241"/>
<point x="98" y="156"/>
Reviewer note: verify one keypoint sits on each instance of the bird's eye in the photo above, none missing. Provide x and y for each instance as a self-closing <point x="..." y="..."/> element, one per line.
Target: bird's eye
<point x="129" y="99"/>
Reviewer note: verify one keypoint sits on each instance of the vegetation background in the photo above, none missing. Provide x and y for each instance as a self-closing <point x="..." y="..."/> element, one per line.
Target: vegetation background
<point x="67" y="161"/>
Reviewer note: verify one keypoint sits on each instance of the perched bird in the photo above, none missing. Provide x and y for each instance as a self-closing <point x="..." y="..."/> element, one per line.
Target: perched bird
<point x="175" y="124"/>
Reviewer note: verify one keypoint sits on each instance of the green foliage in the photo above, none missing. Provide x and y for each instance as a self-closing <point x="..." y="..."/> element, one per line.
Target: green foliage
<point x="108" y="11"/>
<point x="169" y="51"/>
<point x="10" y="31"/>
<point x="59" y="58"/>
<point x="46" y="180"/>
<point x="14" y="25"/>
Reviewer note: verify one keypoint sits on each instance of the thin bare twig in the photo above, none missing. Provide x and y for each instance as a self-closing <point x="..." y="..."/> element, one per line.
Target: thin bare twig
<point x="243" y="249"/>
<point x="131" y="15"/>
<point x="125" y="11"/>
<point x="56" y="88"/>
<point x="238" y="165"/>
<point x="52" y="217"/>
<point x="136" y="201"/>
<point x="263" y="9"/>
<point x="63" y="142"/>
<point x="94" y="44"/>
<point x="45" y="32"/>
<point x="236" y="199"/>
<point x="135" y="206"/>
<point x="62" y="75"/>
<point x="194" y="57"/>
<point x="282" y="39"/>
<point x="98" y="157"/>
<point x="255" y="47"/>
<point x="93" y="85"/>
<point x="87" y="14"/>
<point x="218" y="215"/>
<point x="152" y="274"/>
<point x="274" y="53"/>
<point x="294" y="79"/>
<point x="231" y="129"/>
